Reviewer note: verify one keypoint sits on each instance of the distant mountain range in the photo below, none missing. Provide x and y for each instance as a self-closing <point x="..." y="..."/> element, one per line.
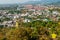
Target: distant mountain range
<point x="44" y="2"/>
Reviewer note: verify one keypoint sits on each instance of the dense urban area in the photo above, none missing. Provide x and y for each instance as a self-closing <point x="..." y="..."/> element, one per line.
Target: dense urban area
<point x="30" y="22"/>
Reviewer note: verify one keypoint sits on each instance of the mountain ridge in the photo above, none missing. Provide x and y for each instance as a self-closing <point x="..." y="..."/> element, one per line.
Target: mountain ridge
<point x="44" y="2"/>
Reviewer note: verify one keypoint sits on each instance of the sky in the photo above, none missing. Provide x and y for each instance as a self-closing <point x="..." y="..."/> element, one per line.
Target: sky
<point x="16" y="1"/>
<point x="12" y="1"/>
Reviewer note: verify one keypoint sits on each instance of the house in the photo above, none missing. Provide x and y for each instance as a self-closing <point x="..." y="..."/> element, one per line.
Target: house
<point x="26" y="20"/>
<point x="55" y="12"/>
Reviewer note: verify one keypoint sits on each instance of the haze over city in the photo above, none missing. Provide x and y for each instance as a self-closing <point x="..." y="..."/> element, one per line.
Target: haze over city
<point x="12" y="1"/>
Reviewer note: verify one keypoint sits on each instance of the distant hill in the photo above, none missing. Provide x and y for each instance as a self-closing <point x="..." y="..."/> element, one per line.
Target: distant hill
<point x="44" y="2"/>
<point x="8" y="5"/>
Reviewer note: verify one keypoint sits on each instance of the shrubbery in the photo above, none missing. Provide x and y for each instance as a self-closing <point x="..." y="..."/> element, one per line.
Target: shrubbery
<point x="36" y="30"/>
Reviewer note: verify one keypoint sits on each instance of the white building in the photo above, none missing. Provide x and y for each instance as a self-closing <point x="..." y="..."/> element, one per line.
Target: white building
<point x="26" y="20"/>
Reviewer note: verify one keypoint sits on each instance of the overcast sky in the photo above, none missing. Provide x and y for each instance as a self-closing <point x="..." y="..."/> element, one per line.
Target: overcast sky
<point x="12" y="1"/>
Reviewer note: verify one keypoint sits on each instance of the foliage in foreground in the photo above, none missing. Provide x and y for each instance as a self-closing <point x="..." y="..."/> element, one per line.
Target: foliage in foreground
<point x="36" y="30"/>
